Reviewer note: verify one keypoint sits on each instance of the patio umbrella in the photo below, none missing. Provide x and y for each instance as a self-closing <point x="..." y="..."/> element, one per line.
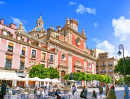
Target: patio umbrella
<point x="35" y="79"/>
<point x="55" y="80"/>
<point x="47" y="79"/>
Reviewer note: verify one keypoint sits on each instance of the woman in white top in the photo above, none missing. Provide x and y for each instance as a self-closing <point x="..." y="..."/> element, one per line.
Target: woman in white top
<point x="45" y="92"/>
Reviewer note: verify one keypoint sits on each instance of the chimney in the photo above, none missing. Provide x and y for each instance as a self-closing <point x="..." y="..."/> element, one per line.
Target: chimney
<point x="2" y="21"/>
<point x="13" y="26"/>
<point x="58" y="28"/>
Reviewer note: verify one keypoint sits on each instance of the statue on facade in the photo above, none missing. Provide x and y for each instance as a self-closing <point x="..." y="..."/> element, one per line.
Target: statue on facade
<point x="71" y="77"/>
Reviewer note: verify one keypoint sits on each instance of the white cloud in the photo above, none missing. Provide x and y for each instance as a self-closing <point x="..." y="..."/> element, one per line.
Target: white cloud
<point x="72" y="3"/>
<point x="106" y="46"/>
<point x="95" y="24"/>
<point x="17" y="21"/>
<point x="96" y="40"/>
<point x="81" y="9"/>
<point x="121" y="27"/>
<point x="2" y="2"/>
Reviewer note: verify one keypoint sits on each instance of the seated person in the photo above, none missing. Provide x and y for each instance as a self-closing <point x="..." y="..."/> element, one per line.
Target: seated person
<point x="45" y="92"/>
<point x="94" y="94"/>
<point x="53" y="93"/>
<point x="58" y="95"/>
<point x="65" y="92"/>
<point x="82" y="95"/>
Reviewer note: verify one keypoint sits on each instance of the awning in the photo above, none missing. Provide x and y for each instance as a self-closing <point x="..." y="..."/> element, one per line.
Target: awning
<point x="8" y="75"/>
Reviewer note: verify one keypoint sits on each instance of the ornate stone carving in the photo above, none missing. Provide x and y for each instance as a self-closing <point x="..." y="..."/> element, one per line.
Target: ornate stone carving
<point x="78" y="64"/>
<point x="63" y="65"/>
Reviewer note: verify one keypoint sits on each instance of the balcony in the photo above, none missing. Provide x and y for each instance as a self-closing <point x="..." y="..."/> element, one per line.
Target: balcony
<point x="34" y="56"/>
<point x="103" y="71"/>
<point x="21" y="68"/>
<point x="109" y="64"/>
<point x="110" y="71"/>
<point x="10" y="50"/>
<point x="23" y="54"/>
<point x="103" y="65"/>
<point x="7" y="66"/>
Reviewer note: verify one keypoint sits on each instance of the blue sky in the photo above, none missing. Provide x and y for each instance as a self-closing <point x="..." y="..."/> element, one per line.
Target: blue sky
<point x="106" y="22"/>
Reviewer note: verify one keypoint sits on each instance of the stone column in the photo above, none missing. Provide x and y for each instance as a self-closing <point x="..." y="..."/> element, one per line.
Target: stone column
<point x="70" y="63"/>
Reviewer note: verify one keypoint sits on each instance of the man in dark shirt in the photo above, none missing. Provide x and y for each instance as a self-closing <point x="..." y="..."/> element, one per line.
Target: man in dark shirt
<point x="3" y="90"/>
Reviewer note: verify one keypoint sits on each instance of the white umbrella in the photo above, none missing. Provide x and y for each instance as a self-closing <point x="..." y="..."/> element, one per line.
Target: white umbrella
<point x="55" y="80"/>
<point x="47" y="79"/>
<point x="35" y="79"/>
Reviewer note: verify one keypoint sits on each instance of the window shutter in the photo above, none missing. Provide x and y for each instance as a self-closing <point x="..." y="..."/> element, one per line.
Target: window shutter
<point x="23" y="48"/>
<point x="11" y="44"/>
<point x="8" y="57"/>
<point x="22" y="60"/>
<point x="43" y="56"/>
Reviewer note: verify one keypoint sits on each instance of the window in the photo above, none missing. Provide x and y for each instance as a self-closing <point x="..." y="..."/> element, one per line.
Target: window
<point x="10" y="47"/>
<point x="23" y="50"/>
<point x="43" y="56"/>
<point x="51" y="58"/>
<point x="89" y="64"/>
<point x="63" y="56"/>
<point x="50" y="66"/>
<point x="8" y="33"/>
<point x="110" y="70"/>
<point x="21" y="66"/>
<point x="39" y="24"/>
<point x="33" y="53"/>
<point x="8" y="63"/>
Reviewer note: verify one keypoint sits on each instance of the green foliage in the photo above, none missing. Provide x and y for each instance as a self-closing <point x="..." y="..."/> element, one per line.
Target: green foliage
<point x="66" y="77"/>
<point x="120" y="68"/>
<point x="54" y="73"/>
<point x="127" y="79"/>
<point x="121" y="79"/>
<point x="41" y="72"/>
<point x="82" y="76"/>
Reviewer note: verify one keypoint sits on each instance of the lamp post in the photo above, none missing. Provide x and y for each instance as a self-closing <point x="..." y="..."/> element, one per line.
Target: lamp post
<point x="119" y="53"/>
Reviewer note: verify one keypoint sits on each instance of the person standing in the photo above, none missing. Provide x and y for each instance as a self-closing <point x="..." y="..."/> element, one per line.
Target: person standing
<point x="111" y="95"/>
<point x="73" y="89"/>
<point x="126" y="91"/>
<point x="85" y="91"/>
<point x="107" y="89"/>
<point x="3" y="89"/>
<point x="100" y="89"/>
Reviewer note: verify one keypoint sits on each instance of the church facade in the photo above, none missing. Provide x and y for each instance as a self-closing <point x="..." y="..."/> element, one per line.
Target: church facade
<point x="64" y="48"/>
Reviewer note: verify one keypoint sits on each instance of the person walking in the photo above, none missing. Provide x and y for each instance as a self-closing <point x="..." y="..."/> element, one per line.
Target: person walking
<point x="126" y="90"/>
<point x="107" y="89"/>
<point x="3" y="89"/>
<point x="100" y="89"/>
<point x="73" y="89"/>
<point x="85" y="91"/>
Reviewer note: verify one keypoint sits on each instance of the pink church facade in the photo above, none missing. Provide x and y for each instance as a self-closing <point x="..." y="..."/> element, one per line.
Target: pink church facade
<point x="64" y="48"/>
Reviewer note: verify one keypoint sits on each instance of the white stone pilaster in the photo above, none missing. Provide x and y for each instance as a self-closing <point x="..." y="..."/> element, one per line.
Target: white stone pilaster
<point x="70" y="63"/>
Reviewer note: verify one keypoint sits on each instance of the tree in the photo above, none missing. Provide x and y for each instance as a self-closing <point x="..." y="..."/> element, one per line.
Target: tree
<point x="127" y="79"/>
<point x="54" y="73"/>
<point x="39" y="71"/>
<point x="119" y="67"/>
<point x="66" y="77"/>
<point x="82" y="77"/>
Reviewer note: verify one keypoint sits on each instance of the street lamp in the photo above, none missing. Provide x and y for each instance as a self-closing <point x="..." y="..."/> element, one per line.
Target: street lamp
<point x="119" y="53"/>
